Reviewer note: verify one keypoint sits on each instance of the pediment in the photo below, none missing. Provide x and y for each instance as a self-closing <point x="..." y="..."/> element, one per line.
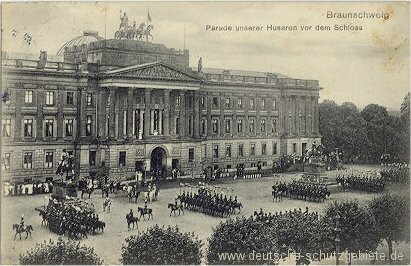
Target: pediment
<point x="156" y="71"/>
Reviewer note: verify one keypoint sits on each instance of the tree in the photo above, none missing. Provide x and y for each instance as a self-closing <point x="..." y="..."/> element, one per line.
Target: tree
<point x="159" y="245"/>
<point x="357" y="224"/>
<point x="60" y="252"/>
<point x="392" y="216"/>
<point x="239" y="240"/>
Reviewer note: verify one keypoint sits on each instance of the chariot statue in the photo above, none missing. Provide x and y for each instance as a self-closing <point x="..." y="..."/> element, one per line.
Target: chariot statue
<point x="134" y="32"/>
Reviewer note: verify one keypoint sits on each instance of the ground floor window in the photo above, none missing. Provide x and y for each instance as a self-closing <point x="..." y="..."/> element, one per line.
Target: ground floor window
<point x="92" y="158"/>
<point x="215" y="151"/>
<point x="122" y="159"/>
<point x="191" y="154"/>
<point x="49" y="159"/>
<point x="6" y="161"/>
<point x="27" y="160"/>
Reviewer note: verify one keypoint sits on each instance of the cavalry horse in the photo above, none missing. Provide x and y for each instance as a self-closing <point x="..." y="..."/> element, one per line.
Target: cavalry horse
<point x="19" y="230"/>
<point x="131" y="220"/>
<point x="88" y="191"/>
<point x="145" y="211"/>
<point x="174" y="208"/>
<point x="107" y="205"/>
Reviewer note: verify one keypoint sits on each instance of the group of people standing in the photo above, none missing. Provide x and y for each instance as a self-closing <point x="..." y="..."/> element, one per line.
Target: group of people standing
<point x="11" y="189"/>
<point x="300" y="190"/>
<point x="370" y="181"/>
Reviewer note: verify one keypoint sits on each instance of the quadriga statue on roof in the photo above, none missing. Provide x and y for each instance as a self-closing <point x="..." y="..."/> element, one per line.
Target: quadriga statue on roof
<point x="133" y="32"/>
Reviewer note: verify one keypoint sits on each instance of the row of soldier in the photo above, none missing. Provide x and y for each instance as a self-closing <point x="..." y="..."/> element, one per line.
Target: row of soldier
<point x="271" y="217"/>
<point x="396" y="173"/>
<point x="370" y="181"/>
<point x="300" y="190"/>
<point x="74" y="221"/>
<point x="215" y="204"/>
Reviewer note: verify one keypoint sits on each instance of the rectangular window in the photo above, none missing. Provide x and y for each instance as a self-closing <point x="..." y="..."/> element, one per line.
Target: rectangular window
<point x="6" y="161"/>
<point x="294" y="147"/>
<point x="240" y="103"/>
<point x="241" y="150"/>
<point x="215" y="126"/>
<point x="215" y="102"/>
<point x="215" y="151"/>
<point x="191" y="155"/>
<point x="262" y="127"/>
<point x="122" y="159"/>
<point x="227" y="126"/>
<point x="274" y="104"/>
<point x="48" y="163"/>
<point x="28" y="127"/>
<point x="203" y="127"/>
<point x="27" y="160"/>
<point x="252" y="149"/>
<point x="251" y="104"/>
<point x="202" y="101"/>
<point x="263" y="149"/>
<point x="177" y="125"/>
<point x="274" y="126"/>
<point x="6" y="130"/>
<point x="69" y="123"/>
<point x="89" y="99"/>
<point x="240" y="126"/>
<point x="49" y="127"/>
<point x="49" y="97"/>
<point x="274" y="148"/>
<point x="228" y="151"/>
<point x="28" y="97"/>
<point x="227" y="102"/>
<point x="89" y="124"/>
<point x="70" y="98"/>
<point x="178" y="100"/>
<point x="251" y="127"/>
<point x="262" y="104"/>
<point x="92" y="158"/>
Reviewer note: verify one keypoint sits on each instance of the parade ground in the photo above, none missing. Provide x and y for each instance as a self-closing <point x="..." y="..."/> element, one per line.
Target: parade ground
<point x="252" y="193"/>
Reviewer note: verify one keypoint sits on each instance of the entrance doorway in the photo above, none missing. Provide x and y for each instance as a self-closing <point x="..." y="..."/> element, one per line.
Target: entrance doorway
<point x="303" y="149"/>
<point x="139" y="166"/>
<point x="158" y="162"/>
<point x="174" y="164"/>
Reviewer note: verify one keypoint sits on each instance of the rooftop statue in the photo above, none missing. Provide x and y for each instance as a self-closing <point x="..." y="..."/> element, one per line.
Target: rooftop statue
<point x="132" y="32"/>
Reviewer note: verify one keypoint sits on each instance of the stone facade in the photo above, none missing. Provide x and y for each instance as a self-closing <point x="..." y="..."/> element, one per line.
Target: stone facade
<point x="123" y="113"/>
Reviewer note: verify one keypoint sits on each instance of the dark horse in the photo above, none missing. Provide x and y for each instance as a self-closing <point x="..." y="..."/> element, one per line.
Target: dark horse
<point x="19" y="229"/>
<point x="145" y="211"/>
<point x="88" y="191"/>
<point x="43" y="215"/>
<point x="131" y="220"/>
<point x="174" y="208"/>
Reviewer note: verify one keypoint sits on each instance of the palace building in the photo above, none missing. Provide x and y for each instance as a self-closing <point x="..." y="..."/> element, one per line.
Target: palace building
<point x="132" y="104"/>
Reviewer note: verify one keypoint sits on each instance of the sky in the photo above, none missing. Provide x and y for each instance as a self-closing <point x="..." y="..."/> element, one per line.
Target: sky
<point x="363" y="67"/>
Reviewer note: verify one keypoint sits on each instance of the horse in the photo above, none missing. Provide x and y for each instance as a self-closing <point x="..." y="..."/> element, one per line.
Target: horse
<point x="43" y="215"/>
<point x="156" y="190"/>
<point x="105" y="190"/>
<point x="145" y="211"/>
<point x="100" y="225"/>
<point x="174" y="208"/>
<point x="19" y="229"/>
<point x="131" y="220"/>
<point x="88" y="191"/>
<point x="107" y="204"/>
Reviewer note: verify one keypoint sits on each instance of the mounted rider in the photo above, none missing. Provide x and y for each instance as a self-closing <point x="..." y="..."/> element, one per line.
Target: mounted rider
<point x="22" y="222"/>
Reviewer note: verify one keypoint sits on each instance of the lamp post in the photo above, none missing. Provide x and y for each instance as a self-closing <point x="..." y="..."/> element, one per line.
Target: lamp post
<point x="337" y="239"/>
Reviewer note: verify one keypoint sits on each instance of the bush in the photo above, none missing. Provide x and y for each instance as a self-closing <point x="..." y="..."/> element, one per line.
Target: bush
<point x="158" y="245"/>
<point x="60" y="252"/>
<point x="241" y="236"/>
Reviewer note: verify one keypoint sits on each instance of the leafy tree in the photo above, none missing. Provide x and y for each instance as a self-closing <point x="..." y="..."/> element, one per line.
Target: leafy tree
<point x="357" y="224"/>
<point x="60" y="252"/>
<point x="159" y="245"/>
<point x="392" y="216"/>
<point x="242" y="236"/>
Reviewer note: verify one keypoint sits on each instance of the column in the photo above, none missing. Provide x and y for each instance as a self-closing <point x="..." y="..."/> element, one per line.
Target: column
<point x="160" y="122"/>
<point x="258" y="118"/>
<point x="166" y="113"/>
<point x="222" y="120"/>
<point x="60" y="118"/>
<point x="196" y="122"/>
<point x="83" y="115"/>
<point x="101" y="113"/>
<point x="141" y="126"/>
<point x="147" y="101"/>
<point x="130" y="112"/>
<point x="120" y="115"/>
<point x="208" y="103"/>
<point x="183" y="123"/>
<point x="316" y="115"/>
<point x="112" y="113"/>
